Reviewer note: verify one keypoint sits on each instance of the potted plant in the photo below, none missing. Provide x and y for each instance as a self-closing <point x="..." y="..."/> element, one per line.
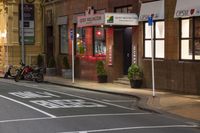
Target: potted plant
<point x="101" y="72"/>
<point x="135" y="75"/>
<point x="66" y="71"/>
<point x="51" y="67"/>
<point x="40" y="60"/>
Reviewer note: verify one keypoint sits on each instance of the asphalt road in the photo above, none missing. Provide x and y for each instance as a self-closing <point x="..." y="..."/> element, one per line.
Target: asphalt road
<point x="28" y="107"/>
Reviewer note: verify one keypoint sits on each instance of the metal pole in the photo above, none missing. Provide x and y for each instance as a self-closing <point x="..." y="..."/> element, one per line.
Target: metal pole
<point x="72" y="60"/>
<point x="22" y="31"/>
<point x="152" y="54"/>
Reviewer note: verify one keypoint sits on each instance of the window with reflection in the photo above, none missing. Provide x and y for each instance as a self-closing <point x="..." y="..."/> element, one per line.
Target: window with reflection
<point x="63" y="39"/>
<point x="125" y="9"/>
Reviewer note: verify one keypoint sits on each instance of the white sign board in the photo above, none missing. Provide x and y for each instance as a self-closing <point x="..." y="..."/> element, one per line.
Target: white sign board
<point x="154" y="9"/>
<point x="90" y="20"/>
<point x="121" y="19"/>
<point x="187" y="8"/>
<point x="62" y="20"/>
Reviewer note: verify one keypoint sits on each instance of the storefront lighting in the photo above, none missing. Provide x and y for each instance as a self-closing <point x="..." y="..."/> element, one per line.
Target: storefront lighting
<point x="102" y="26"/>
<point x="98" y="33"/>
<point x="77" y="35"/>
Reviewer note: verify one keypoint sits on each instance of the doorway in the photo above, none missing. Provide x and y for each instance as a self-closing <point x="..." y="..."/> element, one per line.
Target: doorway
<point x="49" y="42"/>
<point x="127" y="49"/>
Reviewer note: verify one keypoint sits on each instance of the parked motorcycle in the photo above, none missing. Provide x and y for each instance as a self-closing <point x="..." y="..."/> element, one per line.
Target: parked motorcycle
<point x="29" y="73"/>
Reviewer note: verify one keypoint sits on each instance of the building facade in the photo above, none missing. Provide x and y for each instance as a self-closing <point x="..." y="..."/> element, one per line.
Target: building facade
<point x="10" y="44"/>
<point x="174" y="35"/>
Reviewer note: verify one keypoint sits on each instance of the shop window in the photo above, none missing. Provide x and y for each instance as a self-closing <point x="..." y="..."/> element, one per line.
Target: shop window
<point x="99" y="42"/>
<point x="63" y="39"/>
<point x="190" y="39"/>
<point x="158" y="40"/>
<point x="80" y="41"/>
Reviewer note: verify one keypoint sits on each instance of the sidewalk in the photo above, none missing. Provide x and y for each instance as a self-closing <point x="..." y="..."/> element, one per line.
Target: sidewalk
<point x="187" y="106"/>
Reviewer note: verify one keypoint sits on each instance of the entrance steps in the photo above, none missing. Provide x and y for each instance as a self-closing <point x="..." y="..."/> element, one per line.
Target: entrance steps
<point x="123" y="81"/>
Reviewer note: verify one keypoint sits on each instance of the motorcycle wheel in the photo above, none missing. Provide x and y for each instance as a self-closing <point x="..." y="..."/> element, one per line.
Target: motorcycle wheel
<point x="17" y="77"/>
<point x="6" y="75"/>
<point x="40" y="78"/>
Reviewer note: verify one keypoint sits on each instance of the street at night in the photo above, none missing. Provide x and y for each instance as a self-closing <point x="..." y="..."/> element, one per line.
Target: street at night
<point x="27" y="107"/>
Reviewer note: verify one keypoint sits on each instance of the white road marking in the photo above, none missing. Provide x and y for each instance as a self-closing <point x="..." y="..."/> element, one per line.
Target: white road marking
<point x="118" y="101"/>
<point x="67" y="103"/>
<point x="29" y="106"/>
<point x="37" y="87"/>
<point x="132" y="128"/>
<point x="119" y="106"/>
<point x="71" y="116"/>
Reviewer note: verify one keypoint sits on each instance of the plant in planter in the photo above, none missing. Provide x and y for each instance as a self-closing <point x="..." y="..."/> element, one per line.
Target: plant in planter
<point x="51" y="67"/>
<point x="101" y="72"/>
<point x="40" y="60"/>
<point x="66" y="71"/>
<point x="135" y="75"/>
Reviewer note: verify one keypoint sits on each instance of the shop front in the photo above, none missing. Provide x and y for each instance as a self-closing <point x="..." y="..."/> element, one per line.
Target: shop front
<point x="107" y="37"/>
<point x="176" y="44"/>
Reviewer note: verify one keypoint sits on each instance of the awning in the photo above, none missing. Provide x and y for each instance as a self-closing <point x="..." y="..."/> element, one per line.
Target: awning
<point x="122" y="19"/>
<point x="187" y="8"/>
<point x="154" y="9"/>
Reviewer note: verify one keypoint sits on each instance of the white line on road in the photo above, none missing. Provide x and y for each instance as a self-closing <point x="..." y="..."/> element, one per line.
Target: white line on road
<point x="132" y="128"/>
<point x="72" y="116"/>
<point x="29" y="106"/>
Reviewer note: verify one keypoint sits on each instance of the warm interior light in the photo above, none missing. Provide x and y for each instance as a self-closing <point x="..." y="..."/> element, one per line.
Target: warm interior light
<point x="77" y="35"/>
<point x="99" y="33"/>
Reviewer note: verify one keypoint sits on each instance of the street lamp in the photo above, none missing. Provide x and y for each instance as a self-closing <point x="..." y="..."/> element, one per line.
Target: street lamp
<point x="22" y="31"/>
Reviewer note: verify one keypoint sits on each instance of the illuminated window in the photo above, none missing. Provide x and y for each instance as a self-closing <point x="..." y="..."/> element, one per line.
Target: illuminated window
<point x="190" y="39"/>
<point x="80" y="41"/>
<point x="100" y="45"/>
<point x="158" y="40"/>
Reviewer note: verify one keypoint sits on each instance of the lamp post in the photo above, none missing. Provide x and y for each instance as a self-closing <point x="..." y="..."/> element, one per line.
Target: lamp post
<point x="22" y="32"/>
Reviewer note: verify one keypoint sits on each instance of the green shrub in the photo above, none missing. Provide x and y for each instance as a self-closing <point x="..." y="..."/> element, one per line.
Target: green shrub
<point x="135" y="72"/>
<point x="40" y="60"/>
<point x="66" y="62"/>
<point x="51" y="63"/>
<point x="100" y="68"/>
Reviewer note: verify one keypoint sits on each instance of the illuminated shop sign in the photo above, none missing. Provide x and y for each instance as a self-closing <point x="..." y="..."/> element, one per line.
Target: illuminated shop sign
<point x="108" y="19"/>
<point x="90" y="20"/>
<point x="154" y="9"/>
<point x="121" y="19"/>
<point x="187" y="8"/>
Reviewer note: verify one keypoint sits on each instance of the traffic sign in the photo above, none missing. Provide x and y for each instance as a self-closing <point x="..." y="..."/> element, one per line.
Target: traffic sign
<point x="150" y="21"/>
<point x="71" y="34"/>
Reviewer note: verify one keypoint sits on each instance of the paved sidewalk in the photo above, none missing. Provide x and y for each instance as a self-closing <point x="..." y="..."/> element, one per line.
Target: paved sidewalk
<point x="187" y="106"/>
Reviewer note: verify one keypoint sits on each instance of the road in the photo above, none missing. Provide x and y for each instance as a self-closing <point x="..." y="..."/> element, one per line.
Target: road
<point x="28" y="107"/>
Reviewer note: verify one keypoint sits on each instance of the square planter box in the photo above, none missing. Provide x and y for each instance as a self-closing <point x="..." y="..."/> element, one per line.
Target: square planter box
<point x="51" y="71"/>
<point x="67" y="73"/>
